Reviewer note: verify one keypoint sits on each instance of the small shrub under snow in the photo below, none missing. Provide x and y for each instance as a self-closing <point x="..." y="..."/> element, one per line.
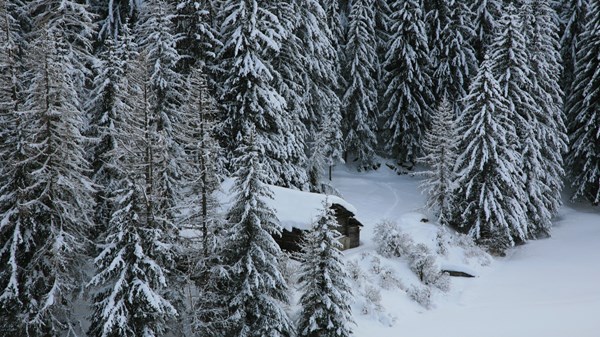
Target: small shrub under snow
<point x="390" y="240"/>
<point x="421" y="295"/>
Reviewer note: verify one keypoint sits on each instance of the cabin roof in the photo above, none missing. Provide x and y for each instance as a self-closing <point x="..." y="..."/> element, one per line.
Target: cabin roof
<point x="294" y="209"/>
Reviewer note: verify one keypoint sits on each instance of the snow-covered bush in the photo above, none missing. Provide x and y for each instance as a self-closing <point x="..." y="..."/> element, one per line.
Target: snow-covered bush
<point x="424" y="264"/>
<point x="442" y="239"/>
<point x="386" y="277"/>
<point x="389" y="280"/>
<point x="355" y="272"/>
<point x="372" y="300"/>
<point x="421" y="295"/>
<point x="390" y="240"/>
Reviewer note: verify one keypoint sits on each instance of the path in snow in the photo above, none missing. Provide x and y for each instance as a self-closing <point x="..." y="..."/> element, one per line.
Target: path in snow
<point x="547" y="288"/>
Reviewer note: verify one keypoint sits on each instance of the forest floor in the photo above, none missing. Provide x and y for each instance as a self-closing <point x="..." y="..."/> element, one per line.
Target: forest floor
<point x="546" y="288"/>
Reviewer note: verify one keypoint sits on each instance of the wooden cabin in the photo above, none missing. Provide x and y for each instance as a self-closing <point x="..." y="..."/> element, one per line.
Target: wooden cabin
<point x="297" y="210"/>
<point x="349" y="227"/>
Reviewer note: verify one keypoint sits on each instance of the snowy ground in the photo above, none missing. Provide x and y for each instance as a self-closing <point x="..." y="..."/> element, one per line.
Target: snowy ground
<point x="548" y="288"/>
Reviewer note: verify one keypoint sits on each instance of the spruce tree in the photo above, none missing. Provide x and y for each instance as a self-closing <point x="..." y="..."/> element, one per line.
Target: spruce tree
<point x="487" y="13"/>
<point x="112" y="16"/>
<point x="105" y="105"/>
<point x="541" y="33"/>
<point x="439" y="146"/>
<point x="157" y="42"/>
<point x="252" y="35"/>
<point x="326" y="151"/>
<point x="583" y="158"/>
<point x="14" y="236"/>
<point x="203" y="151"/>
<point x="251" y="287"/>
<point x="512" y="66"/>
<point x="407" y="82"/>
<point x="573" y="15"/>
<point x="361" y="73"/>
<point x="452" y="55"/>
<point x="135" y="265"/>
<point x="489" y="186"/>
<point x="326" y="295"/>
<point x="322" y="26"/>
<point x="54" y="212"/>
<point x="200" y="39"/>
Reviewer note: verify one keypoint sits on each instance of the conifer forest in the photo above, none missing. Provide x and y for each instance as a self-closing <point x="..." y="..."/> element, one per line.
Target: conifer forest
<point x="121" y="119"/>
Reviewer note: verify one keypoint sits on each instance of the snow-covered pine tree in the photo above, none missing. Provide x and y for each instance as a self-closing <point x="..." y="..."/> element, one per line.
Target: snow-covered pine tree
<point x="437" y="18"/>
<point x="439" y="146"/>
<point x="200" y="40"/>
<point x="360" y="99"/>
<point x="326" y="151"/>
<point x="512" y="68"/>
<point x="453" y="57"/>
<point x="252" y="288"/>
<point x="203" y="151"/>
<point x="252" y="36"/>
<point x="112" y="15"/>
<point x="486" y="12"/>
<point x="15" y="238"/>
<point x="489" y="186"/>
<point x="168" y="164"/>
<point x="136" y="261"/>
<point x="583" y="157"/>
<point x="326" y="294"/>
<point x="292" y="80"/>
<point x="54" y="206"/>
<point x="76" y="23"/>
<point x="105" y="106"/>
<point x="573" y="15"/>
<point x="335" y="23"/>
<point x="407" y="82"/>
<point x="322" y="34"/>
<point x="541" y="33"/>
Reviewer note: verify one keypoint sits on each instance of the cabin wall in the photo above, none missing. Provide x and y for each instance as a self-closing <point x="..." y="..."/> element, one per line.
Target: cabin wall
<point x="349" y="227"/>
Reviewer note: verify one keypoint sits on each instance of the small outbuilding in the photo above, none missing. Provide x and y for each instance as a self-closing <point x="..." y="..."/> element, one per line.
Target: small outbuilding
<point x="297" y="211"/>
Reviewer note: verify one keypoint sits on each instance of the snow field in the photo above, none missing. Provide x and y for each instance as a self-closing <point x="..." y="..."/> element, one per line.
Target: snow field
<point x="545" y="288"/>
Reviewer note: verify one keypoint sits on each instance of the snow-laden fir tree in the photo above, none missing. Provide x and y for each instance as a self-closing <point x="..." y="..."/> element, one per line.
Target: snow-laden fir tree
<point x="452" y="55"/>
<point x="336" y="24"/>
<point x="327" y="150"/>
<point x="112" y="16"/>
<point x="252" y="35"/>
<point x="541" y="33"/>
<point x="486" y="13"/>
<point x="407" y="82"/>
<point x="512" y="68"/>
<point x="200" y="40"/>
<point x="489" y="187"/>
<point x="322" y="27"/>
<point x="251" y="289"/>
<point x="51" y="211"/>
<point x="76" y="23"/>
<point x="360" y="103"/>
<point x="437" y="17"/>
<point x="14" y="236"/>
<point x="203" y="151"/>
<point x="583" y="158"/>
<point x="293" y="77"/>
<point x="573" y="14"/>
<point x="326" y="294"/>
<point x="165" y="87"/>
<point x="439" y="147"/>
<point x="137" y="254"/>
<point x="104" y="106"/>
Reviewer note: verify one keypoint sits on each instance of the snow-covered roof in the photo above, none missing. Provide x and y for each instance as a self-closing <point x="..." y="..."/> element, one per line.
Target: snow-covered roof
<point x="294" y="209"/>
